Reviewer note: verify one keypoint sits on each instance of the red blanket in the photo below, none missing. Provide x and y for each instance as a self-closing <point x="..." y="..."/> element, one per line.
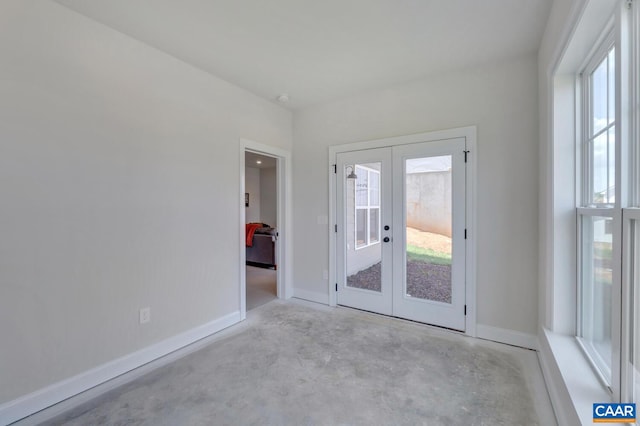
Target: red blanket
<point x="251" y="229"/>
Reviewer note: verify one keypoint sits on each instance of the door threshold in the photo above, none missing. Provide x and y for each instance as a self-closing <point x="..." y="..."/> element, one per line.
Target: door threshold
<point x="438" y="327"/>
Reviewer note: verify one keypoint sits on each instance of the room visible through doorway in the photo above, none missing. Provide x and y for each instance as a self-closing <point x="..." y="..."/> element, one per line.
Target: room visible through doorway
<point x="261" y="238"/>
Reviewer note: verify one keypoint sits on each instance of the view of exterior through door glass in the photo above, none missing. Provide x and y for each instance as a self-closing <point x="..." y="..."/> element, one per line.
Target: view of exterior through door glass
<point x="364" y="252"/>
<point x="428" y="228"/>
<point x="400" y="216"/>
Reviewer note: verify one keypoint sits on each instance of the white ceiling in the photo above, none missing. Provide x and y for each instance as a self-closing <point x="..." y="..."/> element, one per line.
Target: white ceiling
<point x="251" y="160"/>
<point x="320" y="50"/>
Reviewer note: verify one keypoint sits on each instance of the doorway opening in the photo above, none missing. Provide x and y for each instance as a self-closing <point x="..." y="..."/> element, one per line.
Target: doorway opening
<point x="261" y="239"/>
<point x="271" y="233"/>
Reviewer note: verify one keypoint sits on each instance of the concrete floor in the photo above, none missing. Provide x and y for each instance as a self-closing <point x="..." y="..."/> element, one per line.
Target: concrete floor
<point x="295" y="363"/>
<point x="261" y="286"/>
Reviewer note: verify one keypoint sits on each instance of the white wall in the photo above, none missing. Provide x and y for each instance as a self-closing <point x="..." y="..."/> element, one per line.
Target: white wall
<point x="429" y="202"/>
<point x="252" y="186"/>
<point x="269" y="196"/>
<point x="261" y="184"/>
<point x="551" y="48"/>
<point x="119" y="189"/>
<point x="501" y="99"/>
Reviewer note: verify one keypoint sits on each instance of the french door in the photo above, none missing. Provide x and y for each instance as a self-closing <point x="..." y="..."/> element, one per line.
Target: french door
<point x="401" y="231"/>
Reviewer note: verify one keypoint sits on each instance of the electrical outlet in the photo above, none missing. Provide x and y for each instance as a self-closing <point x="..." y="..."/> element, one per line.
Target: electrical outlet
<point x="325" y="274"/>
<point x="145" y="315"/>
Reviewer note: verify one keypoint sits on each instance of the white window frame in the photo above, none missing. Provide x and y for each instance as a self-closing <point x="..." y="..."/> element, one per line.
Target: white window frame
<point x="367" y="208"/>
<point x="631" y="210"/>
<point x="634" y="105"/>
<point x="631" y="309"/>
<point x="608" y="374"/>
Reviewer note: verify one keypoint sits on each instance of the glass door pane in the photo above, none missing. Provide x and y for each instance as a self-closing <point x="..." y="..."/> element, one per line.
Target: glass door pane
<point x="364" y="250"/>
<point x="429" y="243"/>
<point x="428" y="228"/>
<point x="364" y="253"/>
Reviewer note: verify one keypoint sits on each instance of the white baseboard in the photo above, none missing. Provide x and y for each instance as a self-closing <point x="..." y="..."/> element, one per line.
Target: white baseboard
<point x="312" y="296"/>
<point x="150" y="357"/>
<point x="510" y="337"/>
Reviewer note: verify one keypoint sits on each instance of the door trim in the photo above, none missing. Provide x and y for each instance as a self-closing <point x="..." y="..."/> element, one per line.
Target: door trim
<point x="285" y="240"/>
<point x="469" y="133"/>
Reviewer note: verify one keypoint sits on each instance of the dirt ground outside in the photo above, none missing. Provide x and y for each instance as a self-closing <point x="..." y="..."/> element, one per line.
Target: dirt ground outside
<point x="425" y="280"/>
<point x="428" y="240"/>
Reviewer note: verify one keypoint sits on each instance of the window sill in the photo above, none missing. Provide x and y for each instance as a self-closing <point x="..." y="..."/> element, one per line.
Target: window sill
<point x="576" y="388"/>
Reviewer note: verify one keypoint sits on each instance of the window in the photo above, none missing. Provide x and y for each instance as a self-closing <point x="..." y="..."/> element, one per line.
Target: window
<point x="634" y="109"/>
<point x="597" y="212"/>
<point x="632" y="277"/>
<point x="367" y="206"/>
<point x="631" y="219"/>
<point x="600" y="133"/>
<point x="596" y="281"/>
<point x="594" y="238"/>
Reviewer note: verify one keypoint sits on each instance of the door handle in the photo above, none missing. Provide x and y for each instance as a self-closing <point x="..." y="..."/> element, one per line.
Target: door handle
<point x="386" y="227"/>
<point x="386" y="239"/>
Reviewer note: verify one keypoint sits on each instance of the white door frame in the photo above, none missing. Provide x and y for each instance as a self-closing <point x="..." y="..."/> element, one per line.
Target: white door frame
<point x="283" y="225"/>
<point x="469" y="133"/>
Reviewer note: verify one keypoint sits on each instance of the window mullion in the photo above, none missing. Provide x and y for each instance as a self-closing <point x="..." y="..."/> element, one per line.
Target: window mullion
<point x="596" y="211"/>
<point x="369" y="207"/>
<point x="630" y="255"/>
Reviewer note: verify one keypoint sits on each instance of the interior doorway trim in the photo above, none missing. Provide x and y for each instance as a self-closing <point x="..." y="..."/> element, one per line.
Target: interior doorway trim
<point x="469" y="133"/>
<point x="284" y="215"/>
